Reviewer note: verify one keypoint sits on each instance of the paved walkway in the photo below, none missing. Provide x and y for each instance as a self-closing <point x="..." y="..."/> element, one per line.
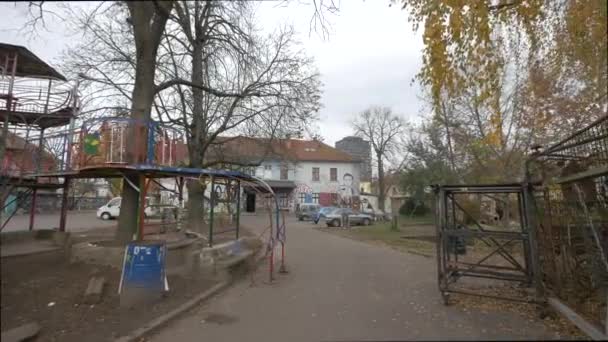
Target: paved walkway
<point x="77" y="221"/>
<point x="340" y="289"/>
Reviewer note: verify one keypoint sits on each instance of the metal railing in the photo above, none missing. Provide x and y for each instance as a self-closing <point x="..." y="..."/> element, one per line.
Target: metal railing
<point x="571" y="213"/>
<point x="121" y="141"/>
<point x="103" y="142"/>
<point x="29" y="96"/>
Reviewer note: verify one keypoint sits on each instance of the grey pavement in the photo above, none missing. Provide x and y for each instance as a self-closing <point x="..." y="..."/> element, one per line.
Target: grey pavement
<point x="77" y="221"/>
<point x="342" y="290"/>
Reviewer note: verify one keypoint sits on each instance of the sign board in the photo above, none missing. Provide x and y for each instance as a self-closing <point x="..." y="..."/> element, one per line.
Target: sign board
<point x="143" y="268"/>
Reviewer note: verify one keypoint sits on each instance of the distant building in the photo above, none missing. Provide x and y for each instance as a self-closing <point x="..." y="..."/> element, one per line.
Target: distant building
<point x="298" y="171"/>
<point x="360" y="150"/>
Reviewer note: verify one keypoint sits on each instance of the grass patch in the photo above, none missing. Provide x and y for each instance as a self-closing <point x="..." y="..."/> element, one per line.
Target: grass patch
<point x="381" y="233"/>
<point x="416" y="221"/>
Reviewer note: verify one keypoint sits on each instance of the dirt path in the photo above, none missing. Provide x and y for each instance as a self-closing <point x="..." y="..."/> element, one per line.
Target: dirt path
<point x="341" y="289"/>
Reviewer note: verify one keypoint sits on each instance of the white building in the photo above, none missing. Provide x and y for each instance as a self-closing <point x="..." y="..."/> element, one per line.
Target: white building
<point x="298" y="171"/>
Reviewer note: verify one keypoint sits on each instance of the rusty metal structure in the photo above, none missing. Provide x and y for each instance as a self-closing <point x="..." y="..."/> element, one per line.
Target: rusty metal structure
<point x="36" y="101"/>
<point x="550" y="235"/>
<point x="469" y="247"/>
<point x="45" y="145"/>
<point x="570" y="211"/>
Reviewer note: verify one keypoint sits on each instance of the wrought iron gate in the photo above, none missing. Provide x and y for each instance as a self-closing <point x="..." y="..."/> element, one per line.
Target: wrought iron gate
<point x="554" y="238"/>
<point x="471" y="246"/>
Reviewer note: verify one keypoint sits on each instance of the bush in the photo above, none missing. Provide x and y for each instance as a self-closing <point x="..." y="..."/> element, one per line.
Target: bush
<point x="413" y="207"/>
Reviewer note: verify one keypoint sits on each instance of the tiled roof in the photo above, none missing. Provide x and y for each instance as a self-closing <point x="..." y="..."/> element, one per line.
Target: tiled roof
<point x="241" y="149"/>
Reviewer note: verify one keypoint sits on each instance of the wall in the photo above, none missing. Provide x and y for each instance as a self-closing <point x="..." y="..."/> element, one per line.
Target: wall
<point x="328" y="191"/>
<point x="275" y="172"/>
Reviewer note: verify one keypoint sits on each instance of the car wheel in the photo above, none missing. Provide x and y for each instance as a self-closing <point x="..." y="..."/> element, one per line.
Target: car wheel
<point x="366" y="222"/>
<point x="335" y="223"/>
<point x="299" y="218"/>
<point x="106" y="216"/>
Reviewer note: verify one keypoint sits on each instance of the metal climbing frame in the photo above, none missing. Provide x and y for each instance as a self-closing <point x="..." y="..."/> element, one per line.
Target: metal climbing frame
<point x="570" y="211"/>
<point x="469" y="246"/>
<point x="35" y="100"/>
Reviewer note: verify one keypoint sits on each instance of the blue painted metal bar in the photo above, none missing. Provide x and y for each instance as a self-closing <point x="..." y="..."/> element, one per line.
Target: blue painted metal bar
<point x="152" y="125"/>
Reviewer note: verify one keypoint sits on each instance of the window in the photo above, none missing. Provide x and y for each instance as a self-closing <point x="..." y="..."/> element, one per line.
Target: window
<point x="114" y="203"/>
<point x="333" y="174"/>
<point x="284" y="172"/>
<point x="315" y="174"/>
<point x="315" y="197"/>
<point x="268" y="167"/>
<point x="283" y="200"/>
<point x="302" y="197"/>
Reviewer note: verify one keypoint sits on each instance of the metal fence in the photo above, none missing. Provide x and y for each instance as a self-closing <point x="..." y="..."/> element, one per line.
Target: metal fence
<point x="571" y="214"/>
<point x="483" y="233"/>
<point x="549" y="233"/>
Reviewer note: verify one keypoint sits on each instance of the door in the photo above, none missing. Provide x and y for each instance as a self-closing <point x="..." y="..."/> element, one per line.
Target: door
<point x="114" y="208"/>
<point x="250" y="203"/>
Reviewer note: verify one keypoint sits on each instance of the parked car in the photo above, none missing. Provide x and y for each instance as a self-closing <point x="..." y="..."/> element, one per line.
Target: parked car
<point x="322" y="212"/>
<point x="334" y="218"/>
<point x="111" y="209"/>
<point x="307" y="211"/>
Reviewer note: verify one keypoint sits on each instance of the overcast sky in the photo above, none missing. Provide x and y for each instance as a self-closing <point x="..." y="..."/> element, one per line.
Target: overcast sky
<point x="369" y="57"/>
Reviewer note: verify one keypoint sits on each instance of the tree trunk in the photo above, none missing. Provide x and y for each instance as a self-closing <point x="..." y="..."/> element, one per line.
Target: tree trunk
<point x="196" y="206"/>
<point x="381" y="192"/>
<point x="142" y="98"/>
<point x="196" y="192"/>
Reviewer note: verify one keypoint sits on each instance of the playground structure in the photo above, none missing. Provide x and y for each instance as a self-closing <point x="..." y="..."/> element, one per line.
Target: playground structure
<point x="46" y="145"/>
<point x="552" y="236"/>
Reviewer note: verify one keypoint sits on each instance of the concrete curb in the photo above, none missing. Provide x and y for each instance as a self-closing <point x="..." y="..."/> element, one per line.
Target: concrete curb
<point x="164" y="319"/>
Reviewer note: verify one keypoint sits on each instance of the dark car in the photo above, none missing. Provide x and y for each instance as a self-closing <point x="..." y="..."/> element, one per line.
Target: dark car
<point x="334" y="218"/>
<point x="307" y="211"/>
<point x="322" y="212"/>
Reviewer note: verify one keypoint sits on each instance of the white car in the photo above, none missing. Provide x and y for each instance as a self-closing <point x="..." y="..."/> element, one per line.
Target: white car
<point x="112" y="209"/>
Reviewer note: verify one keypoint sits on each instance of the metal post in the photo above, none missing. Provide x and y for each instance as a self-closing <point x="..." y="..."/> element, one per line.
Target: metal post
<point x="9" y="104"/>
<point x="180" y="197"/>
<point x="211" y="206"/>
<point x="48" y="96"/>
<point x="70" y="141"/>
<point x="64" y="205"/>
<point x="533" y="242"/>
<point x="238" y="207"/>
<point x="142" y="206"/>
<point x="523" y="219"/>
<point x="33" y="209"/>
<point x="39" y="152"/>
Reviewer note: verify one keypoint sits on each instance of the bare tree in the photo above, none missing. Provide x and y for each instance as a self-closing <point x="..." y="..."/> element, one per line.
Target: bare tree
<point x="145" y="25"/>
<point x="261" y="86"/>
<point x="215" y="75"/>
<point x="382" y="129"/>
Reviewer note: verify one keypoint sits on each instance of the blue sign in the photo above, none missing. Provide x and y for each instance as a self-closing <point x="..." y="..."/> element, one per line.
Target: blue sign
<point x="144" y="267"/>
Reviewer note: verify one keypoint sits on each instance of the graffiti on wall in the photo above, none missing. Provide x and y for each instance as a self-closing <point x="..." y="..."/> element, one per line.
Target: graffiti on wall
<point x="348" y="193"/>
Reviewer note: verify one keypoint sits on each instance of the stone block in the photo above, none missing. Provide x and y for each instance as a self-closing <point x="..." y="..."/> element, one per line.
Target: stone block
<point x="94" y="291"/>
<point x="22" y="333"/>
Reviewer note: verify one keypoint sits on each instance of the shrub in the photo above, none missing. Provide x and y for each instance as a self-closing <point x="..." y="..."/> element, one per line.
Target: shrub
<point x="413" y="207"/>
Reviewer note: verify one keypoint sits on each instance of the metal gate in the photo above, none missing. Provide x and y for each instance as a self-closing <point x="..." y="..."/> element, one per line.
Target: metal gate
<point x="549" y="233"/>
<point x="474" y="241"/>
